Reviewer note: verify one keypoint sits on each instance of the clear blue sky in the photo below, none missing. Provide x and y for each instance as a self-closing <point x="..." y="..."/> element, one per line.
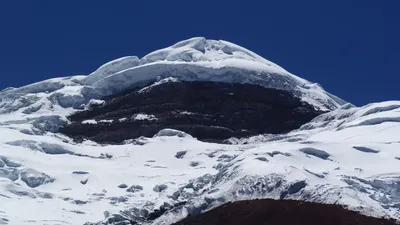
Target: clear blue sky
<point x="350" y="47"/>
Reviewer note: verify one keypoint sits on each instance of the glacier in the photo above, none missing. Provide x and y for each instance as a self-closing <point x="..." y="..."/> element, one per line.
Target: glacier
<point x="348" y="155"/>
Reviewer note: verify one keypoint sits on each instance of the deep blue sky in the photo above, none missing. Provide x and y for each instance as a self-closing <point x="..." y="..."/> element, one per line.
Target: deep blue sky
<point x="350" y="47"/>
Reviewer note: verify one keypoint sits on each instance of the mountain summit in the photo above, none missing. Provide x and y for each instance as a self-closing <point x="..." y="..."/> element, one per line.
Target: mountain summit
<point x="200" y="59"/>
<point x="196" y="59"/>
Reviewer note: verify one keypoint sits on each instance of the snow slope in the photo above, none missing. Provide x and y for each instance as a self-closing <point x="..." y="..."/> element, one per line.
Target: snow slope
<point x="347" y="161"/>
<point x="347" y="156"/>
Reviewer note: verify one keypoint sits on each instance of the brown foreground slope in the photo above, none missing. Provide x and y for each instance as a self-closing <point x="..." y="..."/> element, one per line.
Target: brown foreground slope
<point x="282" y="212"/>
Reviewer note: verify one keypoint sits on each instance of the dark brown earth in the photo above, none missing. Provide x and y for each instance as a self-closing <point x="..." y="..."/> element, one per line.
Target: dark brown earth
<point x="218" y="111"/>
<point x="281" y="212"/>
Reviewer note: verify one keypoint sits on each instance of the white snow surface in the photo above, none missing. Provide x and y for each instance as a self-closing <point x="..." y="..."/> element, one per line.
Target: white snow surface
<point x="321" y="153"/>
<point x="349" y="156"/>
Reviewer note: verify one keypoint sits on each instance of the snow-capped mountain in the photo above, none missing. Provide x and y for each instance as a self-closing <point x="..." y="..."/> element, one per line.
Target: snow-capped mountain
<point x="196" y="59"/>
<point x="347" y="155"/>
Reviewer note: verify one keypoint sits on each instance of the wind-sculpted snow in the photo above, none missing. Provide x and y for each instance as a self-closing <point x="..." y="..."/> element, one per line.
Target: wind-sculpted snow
<point x="350" y="116"/>
<point x="31" y="177"/>
<point x="6" y="162"/>
<point x="112" y="68"/>
<point x="47" y="91"/>
<point x="316" y="152"/>
<point x="47" y="148"/>
<point x="171" y="133"/>
<point x="365" y="149"/>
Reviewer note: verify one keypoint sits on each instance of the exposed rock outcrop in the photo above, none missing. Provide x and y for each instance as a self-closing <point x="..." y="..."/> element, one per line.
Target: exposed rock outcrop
<point x="281" y="212"/>
<point x="208" y="111"/>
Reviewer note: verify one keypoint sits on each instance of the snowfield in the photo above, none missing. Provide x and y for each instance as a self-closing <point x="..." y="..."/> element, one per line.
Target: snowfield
<point x="349" y="156"/>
